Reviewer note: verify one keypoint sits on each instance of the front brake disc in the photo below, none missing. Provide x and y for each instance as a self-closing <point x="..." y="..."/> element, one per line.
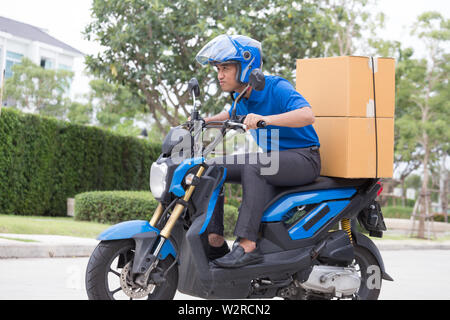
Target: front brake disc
<point x="130" y="288"/>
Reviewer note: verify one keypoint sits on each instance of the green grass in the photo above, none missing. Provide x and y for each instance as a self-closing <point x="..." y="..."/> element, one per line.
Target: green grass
<point x="64" y="226"/>
<point x="18" y="239"/>
<point x="67" y="226"/>
<point x="397" y="212"/>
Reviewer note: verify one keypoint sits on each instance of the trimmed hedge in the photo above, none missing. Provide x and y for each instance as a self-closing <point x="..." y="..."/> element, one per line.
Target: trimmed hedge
<point x="44" y="161"/>
<point x="114" y="206"/>
<point x="117" y="206"/>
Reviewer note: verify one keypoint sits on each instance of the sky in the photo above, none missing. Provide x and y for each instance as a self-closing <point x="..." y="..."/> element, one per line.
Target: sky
<point x="66" y="19"/>
<point x="401" y="15"/>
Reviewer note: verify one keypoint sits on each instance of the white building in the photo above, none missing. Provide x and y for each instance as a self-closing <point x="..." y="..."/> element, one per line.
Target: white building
<point x="18" y="40"/>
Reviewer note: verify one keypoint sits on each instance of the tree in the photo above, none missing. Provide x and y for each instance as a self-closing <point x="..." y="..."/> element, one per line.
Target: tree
<point x="424" y="119"/>
<point x="406" y="155"/>
<point x="80" y="113"/>
<point x="443" y="188"/>
<point x="150" y="46"/>
<point x="351" y="18"/>
<point x="116" y="106"/>
<point x="41" y="90"/>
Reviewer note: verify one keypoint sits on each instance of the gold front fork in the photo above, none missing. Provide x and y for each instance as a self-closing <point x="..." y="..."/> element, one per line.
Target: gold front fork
<point x="155" y="218"/>
<point x="165" y="232"/>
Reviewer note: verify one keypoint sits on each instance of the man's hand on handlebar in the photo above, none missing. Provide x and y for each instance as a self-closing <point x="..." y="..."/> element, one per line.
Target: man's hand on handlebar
<point x="254" y="121"/>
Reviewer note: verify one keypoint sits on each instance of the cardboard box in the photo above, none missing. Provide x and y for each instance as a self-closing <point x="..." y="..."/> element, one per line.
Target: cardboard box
<point x="343" y="86"/>
<point x="348" y="146"/>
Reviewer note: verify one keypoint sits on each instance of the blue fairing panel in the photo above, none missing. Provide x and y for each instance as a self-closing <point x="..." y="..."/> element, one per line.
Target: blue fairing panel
<point x="212" y="202"/>
<point x="277" y="210"/>
<point x="128" y="229"/>
<point x="307" y="226"/>
<point x="180" y="172"/>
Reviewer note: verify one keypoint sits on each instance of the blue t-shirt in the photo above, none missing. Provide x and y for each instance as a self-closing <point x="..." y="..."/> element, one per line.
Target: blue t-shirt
<point x="278" y="96"/>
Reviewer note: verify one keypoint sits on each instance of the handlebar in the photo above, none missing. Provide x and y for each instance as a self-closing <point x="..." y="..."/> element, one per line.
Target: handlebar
<point x="261" y="124"/>
<point x="226" y="124"/>
<point x="230" y="124"/>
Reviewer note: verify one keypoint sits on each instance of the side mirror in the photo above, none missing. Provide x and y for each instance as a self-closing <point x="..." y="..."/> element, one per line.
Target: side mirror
<point x="193" y="87"/>
<point x="257" y="80"/>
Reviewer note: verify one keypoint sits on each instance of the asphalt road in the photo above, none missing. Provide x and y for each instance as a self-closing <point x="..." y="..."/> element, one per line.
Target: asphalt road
<point x="418" y="274"/>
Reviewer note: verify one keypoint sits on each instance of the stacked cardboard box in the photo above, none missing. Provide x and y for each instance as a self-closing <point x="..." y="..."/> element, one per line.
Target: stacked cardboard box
<point x="353" y="99"/>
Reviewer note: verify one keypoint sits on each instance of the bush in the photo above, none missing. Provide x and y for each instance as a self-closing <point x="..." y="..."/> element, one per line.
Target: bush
<point x="114" y="206"/>
<point x="441" y="218"/>
<point x="233" y="201"/>
<point x="44" y="161"/>
<point x="230" y="215"/>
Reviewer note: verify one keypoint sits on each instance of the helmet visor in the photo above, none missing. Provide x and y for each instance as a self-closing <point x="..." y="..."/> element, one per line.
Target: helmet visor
<point x="218" y="50"/>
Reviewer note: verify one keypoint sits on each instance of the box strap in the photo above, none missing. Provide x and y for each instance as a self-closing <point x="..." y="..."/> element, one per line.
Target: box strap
<point x="375" y="117"/>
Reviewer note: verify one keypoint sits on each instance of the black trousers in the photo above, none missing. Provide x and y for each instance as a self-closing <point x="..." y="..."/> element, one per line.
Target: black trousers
<point x="260" y="174"/>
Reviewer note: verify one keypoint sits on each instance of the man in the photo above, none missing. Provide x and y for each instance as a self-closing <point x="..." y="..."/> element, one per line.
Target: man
<point x="288" y="117"/>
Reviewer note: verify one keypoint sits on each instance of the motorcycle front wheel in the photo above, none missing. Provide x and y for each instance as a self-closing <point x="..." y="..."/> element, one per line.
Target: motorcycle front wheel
<point x="108" y="278"/>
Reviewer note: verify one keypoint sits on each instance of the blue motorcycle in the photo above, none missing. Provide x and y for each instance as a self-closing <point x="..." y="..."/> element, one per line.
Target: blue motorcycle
<point x="309" y="239"/>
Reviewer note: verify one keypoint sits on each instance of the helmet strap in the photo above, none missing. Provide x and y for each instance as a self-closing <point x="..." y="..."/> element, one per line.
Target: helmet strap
<point x="238" y="73"/>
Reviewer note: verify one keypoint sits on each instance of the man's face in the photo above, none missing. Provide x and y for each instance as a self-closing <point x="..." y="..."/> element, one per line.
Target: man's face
<point x="226" y="74"/>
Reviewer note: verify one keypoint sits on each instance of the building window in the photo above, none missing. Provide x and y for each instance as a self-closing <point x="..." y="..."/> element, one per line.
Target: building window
<point x="1" y="66"/>
<point x="12" y="58"/>
<point x="46" y="63"/>
<point x="64" y="67"/>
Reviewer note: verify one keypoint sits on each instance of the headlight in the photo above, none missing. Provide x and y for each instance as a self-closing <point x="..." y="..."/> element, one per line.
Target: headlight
<point x="158" y="173"/>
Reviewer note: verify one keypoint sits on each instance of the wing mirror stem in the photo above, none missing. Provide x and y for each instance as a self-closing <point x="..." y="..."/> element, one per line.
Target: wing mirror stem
<point x="236" y="101"/>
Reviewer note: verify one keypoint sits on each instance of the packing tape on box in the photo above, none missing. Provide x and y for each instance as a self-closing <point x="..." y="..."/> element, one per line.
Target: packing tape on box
<point x="373" y="67"/>
<point x="373" y="63"/>
<point x="370" y="109"/>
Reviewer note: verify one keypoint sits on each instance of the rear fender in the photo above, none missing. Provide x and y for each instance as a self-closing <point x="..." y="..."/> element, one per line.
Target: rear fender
<point x="365" y="242"/>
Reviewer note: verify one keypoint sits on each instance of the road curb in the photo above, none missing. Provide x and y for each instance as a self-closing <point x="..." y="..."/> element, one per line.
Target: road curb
<point x="44" y="246"/>
<point x="45" y="251"/>
<point x="411" y="245"/>
<point x="61" y="246"/>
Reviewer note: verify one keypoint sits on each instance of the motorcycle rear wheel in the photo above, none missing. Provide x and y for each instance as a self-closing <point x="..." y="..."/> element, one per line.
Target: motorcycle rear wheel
<point x="369" y="272"/>
<point x="106" y="264"/>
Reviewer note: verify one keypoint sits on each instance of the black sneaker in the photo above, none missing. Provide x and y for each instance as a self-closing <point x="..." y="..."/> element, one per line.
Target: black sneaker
<point x="217" y="252"/>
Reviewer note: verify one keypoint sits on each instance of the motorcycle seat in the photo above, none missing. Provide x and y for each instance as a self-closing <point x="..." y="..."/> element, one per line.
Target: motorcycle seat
<point x="321" y="183"/>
